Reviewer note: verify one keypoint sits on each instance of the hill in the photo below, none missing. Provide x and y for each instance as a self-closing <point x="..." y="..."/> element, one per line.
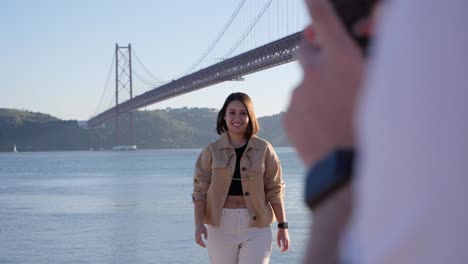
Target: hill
<point x="168" y="128"/>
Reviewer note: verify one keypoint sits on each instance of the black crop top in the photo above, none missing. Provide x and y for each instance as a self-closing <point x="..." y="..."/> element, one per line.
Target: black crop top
<point x="236" y="183"/>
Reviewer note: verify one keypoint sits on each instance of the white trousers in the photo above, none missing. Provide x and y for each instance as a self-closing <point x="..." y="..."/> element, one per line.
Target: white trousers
<point x="234" y="242"/>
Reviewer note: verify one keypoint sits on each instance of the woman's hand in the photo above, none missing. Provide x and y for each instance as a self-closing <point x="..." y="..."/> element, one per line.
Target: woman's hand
<point x="199" y="230"/>
<point x="282" y="238"/>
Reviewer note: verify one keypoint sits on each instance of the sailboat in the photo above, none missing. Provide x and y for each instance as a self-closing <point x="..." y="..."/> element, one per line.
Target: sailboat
<point x="14" y="148"/>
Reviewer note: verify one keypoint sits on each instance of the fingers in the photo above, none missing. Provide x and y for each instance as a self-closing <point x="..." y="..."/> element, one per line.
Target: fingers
<point x="198" y="236"/>
<point x="363" y="27"/>
<point x="283" y="240"/>
<point x="309" y="34"/>
<point x="200" y="241"/>
<point x="308" y="55"/>
<point x="367" y="26"/>
<point x="329" y="29"/>
<point x="201" y="244"/>
<point x="283" y="244"/>
<point x="286" y="245"/>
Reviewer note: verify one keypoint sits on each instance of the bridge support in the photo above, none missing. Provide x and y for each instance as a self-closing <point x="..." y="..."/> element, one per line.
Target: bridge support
<point x="123" y="81"/>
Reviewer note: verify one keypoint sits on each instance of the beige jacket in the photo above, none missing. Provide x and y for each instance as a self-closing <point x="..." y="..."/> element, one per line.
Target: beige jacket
<point x="261" y="179"/>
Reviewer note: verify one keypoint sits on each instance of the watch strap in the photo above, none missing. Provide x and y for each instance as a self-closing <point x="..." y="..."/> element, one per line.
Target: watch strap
<point x="283" y="225"/>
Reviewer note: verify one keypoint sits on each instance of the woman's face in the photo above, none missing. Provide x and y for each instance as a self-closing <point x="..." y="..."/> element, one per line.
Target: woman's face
<point x="237" y="117"/>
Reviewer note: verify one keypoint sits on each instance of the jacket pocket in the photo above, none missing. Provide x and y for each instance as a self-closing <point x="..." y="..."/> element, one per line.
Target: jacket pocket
<point x="219" y="171"/>
<point x="219" y="164"/>
<point x="257" y="170"/>
<point x="255" y="176"/>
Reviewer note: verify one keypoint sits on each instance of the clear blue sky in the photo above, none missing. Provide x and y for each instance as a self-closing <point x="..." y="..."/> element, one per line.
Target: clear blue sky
<point x="56" y="55"/>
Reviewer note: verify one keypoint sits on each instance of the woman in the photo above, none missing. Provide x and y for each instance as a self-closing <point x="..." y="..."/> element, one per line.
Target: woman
<point x="238" y="190"/>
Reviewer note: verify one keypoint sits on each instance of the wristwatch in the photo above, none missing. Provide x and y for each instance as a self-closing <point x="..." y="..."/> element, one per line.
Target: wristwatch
<point x="283" y="225"/>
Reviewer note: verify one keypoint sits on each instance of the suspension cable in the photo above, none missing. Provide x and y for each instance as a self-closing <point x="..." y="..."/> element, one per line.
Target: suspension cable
<point x="144" y="80"/>
<point x="146" y="69"/>
<point x="105" y="87"/>
<point x="265" y="7"/>
<point x="220" y="34"/>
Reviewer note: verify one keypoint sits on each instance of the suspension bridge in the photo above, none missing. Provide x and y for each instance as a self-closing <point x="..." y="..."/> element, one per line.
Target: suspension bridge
<point x="257" y="36"/>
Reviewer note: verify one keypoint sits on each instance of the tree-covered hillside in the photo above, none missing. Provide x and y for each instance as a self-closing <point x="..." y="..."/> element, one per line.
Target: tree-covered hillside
<point x="31" y="131"/>
<point x="168" y="128"/>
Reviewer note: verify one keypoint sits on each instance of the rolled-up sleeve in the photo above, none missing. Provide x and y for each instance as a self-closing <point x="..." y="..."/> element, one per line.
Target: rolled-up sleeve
<point x="274" y="185"/>
<point x="202" y="176"/>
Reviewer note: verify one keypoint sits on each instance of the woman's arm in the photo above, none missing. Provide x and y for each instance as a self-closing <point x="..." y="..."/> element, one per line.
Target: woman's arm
<point x="201" y="183"/>
<point x="274" y="191"/>
<point x="273" y="181"/>
<point x="282" y="237"/>
<point x="279" y="211"/>
<point x="200" y="206"/>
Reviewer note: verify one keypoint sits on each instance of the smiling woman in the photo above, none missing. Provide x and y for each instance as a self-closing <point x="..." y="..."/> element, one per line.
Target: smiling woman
<point x="238" y="189"/>
<point x="237" y="117"/>
<point x="237" y="120"/>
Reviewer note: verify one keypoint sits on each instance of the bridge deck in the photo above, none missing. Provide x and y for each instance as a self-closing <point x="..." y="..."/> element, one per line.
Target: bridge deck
<point x="264" y="57"/>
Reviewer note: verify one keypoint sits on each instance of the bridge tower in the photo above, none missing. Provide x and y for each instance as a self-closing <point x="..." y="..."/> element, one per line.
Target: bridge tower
<point x="123" y="83"/>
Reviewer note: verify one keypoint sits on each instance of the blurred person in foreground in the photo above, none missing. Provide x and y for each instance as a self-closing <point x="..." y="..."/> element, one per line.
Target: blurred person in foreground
<point x="238" y="190"/>
<point x="404" y="112"/>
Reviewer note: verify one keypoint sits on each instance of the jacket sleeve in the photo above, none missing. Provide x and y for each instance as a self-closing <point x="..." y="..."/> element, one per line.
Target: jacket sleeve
<point x="202" y="176"/>
<point x="274" y="185"/>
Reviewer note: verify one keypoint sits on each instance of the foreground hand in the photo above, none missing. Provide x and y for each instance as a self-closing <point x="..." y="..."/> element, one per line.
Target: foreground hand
<point x="199" y="231"/>
<point x="320" y="115"/>
<point x="282" y="238"/>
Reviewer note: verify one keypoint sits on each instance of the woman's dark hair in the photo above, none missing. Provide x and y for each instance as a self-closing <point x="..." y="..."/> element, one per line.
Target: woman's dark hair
<point x="252" y="127"/>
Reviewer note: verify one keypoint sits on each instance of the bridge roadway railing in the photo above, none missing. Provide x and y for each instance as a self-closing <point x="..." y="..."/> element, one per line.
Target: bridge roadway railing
<point x="270" y="55"/>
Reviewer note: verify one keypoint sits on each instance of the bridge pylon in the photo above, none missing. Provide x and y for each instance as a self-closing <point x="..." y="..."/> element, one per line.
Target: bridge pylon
<point x="123" y="83"/>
